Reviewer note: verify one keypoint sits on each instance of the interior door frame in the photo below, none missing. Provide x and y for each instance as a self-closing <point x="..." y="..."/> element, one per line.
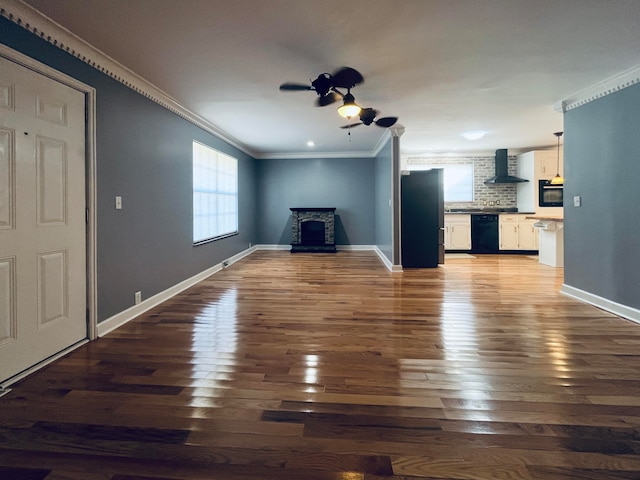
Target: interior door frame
<point x="90" y="189"/>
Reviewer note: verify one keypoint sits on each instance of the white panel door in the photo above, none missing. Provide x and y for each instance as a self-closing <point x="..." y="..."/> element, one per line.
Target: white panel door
<point x="42" y="218"/>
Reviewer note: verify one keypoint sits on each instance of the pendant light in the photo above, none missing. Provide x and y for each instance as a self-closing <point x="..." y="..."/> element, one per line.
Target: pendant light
<point x="558" y="180"/>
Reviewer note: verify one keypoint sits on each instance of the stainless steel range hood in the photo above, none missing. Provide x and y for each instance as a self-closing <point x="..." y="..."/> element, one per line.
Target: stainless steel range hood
<point x="502" y="170"/>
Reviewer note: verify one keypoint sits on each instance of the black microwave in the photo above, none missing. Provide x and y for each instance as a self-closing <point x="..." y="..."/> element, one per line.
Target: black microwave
<point x="550" y="195"/>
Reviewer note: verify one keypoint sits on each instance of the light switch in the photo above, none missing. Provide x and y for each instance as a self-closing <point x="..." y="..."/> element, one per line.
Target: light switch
<point x="577" y="201"/>
<point x="118" y="203"/>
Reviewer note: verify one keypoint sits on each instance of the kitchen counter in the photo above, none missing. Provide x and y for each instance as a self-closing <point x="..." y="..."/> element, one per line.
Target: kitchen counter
<point x="484" y="211"/>
<point x="543" y="218"/>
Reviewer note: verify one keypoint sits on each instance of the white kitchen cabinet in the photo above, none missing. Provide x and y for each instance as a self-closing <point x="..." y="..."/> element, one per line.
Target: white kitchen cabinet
<point x="528" y="235"/>
<point x="534" y="166"/>
<point x="546" y="166"/>
<point x="517" y="233"/>
<point x="508" y="234"/>
<point x="457" y="232"/>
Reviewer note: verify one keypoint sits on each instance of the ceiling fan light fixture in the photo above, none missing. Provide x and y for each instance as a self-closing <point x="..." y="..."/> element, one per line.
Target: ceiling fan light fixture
<point x="349" y="108"/>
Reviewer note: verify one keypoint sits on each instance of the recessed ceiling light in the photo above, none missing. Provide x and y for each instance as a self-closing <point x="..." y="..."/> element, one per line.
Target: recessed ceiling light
<point x="474" y="134"/>
<point x="310" y="143"/>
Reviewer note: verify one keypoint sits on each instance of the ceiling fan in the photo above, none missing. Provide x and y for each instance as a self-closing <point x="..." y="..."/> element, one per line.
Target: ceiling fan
<point x="368" y="116"/>
<point x="327" y="83"/>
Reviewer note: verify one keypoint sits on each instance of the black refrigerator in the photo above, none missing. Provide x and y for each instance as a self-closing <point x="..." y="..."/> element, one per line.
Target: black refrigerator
<point x="422" y="218"/>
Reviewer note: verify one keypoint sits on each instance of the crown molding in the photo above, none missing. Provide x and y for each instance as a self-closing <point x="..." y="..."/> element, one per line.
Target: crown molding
<point x="42" y="26"/>
<point x="312" y="155"/>
<point x="388" y="133"/>
<point x="601" y="89"/>
<point x="382" y="141"/>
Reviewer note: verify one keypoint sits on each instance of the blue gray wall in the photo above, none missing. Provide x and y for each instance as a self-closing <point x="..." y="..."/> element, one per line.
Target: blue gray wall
<point x="344" y="183"/>
<point x="144" y="155"/>
<point x="383" y="198"/>
<point x="602" y="165"/>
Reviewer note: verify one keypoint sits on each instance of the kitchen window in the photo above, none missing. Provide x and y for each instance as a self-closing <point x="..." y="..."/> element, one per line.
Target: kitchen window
<point x="457" y="181"/>
<point x="215" y="194"/>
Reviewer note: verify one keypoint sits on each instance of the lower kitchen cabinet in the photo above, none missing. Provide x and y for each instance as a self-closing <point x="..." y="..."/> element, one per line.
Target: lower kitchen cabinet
<point x="508" y="228"/>
<point x="457" y="232"/>
<point x="528" y="235"/>
<point x="517" y="233"/>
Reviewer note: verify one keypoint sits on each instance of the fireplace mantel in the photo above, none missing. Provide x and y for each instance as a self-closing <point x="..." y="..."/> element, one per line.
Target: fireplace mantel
<point x="313" y="229"/>
<point x="313" y="209"/>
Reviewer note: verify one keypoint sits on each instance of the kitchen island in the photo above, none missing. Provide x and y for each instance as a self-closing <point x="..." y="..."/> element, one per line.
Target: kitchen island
<point x="551" y="239"/>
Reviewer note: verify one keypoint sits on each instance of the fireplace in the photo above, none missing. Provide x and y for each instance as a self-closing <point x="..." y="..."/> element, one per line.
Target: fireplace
<point x="313" y="230"/>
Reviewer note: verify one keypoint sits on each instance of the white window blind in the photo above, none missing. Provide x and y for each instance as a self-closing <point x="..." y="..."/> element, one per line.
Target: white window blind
<point x="215" y="194"/>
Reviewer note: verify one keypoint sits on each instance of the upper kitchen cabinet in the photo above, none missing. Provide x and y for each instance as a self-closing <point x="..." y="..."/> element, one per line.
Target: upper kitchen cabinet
<point x="547" y="165"/>
<point x="533" y="166"/>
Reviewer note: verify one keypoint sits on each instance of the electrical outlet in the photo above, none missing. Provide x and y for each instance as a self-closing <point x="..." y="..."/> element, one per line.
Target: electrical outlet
<point x="497" y="202"/>
<point x="138" y="298"/>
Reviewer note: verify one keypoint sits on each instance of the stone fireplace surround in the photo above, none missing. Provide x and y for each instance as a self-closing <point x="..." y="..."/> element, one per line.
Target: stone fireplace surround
<point x="307" y="239"/>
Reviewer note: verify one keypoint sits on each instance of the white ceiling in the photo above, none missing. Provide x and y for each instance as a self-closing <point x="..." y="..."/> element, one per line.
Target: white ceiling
<point x="442" y="66"/>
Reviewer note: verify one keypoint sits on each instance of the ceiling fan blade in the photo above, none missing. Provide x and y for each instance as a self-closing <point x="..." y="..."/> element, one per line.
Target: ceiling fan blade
<point x="347" y="77"/>
<point x="351" y="125"/>
<point x="328" y="99"/>
<point x="386" y="122"/>
<point x="295" y="87"/>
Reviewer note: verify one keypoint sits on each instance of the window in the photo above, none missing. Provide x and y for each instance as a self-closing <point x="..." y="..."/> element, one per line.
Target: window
<point x="215" y="194"/>
<point x="458" y="183"/>
<point x="457" y="180"/>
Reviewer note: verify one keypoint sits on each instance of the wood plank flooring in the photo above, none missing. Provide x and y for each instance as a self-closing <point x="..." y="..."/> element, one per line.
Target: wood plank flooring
<point x="329" y="367"/>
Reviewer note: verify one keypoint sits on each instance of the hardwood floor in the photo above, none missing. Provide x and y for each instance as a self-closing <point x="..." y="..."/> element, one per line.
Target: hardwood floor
<point x="329" y="367"/>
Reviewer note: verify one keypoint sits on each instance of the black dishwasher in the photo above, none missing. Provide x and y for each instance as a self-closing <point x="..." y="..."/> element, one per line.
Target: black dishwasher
<point x="484" y="233"/>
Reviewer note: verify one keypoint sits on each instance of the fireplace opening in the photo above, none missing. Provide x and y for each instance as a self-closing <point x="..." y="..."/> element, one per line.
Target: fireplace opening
<point x="312" y="233"/>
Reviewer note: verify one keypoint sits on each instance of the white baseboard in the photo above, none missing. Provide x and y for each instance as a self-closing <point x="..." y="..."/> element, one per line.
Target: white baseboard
<point x="356" y="247"/>
<point x="272" y="247"/>
<point x="129" y="314"/>
<point x="624" y="311"/>
<point x="239" y="256"/>
<point x="387" y="263"/>
<point x="374" y="248"/>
